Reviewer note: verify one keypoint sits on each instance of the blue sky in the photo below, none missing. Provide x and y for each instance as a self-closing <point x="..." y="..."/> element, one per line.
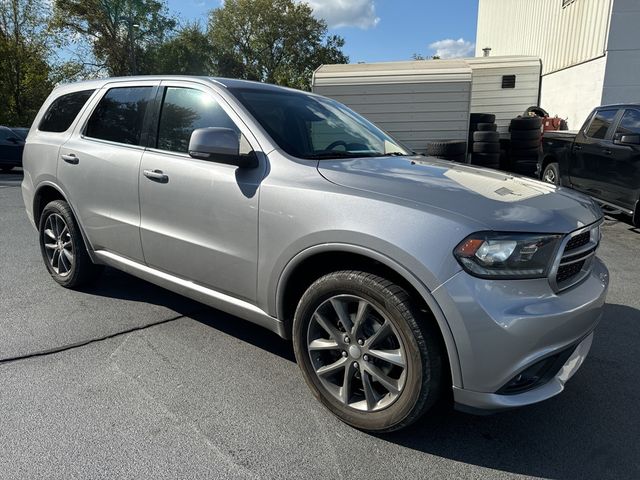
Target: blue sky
<point x="383" y="30"/>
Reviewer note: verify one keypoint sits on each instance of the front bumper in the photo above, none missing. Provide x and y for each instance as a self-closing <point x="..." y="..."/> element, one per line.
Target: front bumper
<point x="502" y="328"/>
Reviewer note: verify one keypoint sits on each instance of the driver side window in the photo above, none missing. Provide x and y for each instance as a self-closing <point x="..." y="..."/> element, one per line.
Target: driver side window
<point x="185" y="110"/>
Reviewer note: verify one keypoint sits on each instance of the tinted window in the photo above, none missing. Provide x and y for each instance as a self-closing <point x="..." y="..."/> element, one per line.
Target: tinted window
<point x="309" y="126"/>
<point x="119" y="116"/>
<point x="601" y="123"/>
<point x="21" y="132"/>
<point x="630" y="123"/>
<point x="63" y="111"/>
<point x="185" y="110"/>
<point x="5" y="134"/>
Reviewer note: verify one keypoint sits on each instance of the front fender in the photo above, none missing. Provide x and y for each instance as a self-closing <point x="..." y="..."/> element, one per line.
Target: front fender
<point x="277" y="290"/>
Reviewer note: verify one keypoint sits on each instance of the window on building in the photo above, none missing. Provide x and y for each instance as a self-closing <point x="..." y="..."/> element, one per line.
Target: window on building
<point x="63" y="111"/>
<point x="119" y="116"/>
<point x="630" y="123"/>
<point x="600" y="124"/>
<point x="185" y="110"/>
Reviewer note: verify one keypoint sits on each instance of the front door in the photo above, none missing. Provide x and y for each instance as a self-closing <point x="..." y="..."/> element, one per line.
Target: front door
<point x="99" y="167"/>
<point x="591" y="152"/>
<point x="623" y="186"/>
<point x="199" y="219"/>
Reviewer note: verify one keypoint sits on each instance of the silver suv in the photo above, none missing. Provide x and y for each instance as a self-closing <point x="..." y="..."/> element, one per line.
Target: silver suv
<point x="400" y="279"/>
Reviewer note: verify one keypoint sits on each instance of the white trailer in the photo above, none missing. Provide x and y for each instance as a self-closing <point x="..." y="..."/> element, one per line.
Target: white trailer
<point x="425" y="100"/>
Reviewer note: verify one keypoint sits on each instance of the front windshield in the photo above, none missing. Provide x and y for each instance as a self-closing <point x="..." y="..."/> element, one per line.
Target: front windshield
<point x="313" y="127"/>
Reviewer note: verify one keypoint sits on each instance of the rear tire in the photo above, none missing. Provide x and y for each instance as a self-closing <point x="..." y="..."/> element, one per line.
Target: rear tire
<point x="380" y="395"/>
<point x="62" y="247"/>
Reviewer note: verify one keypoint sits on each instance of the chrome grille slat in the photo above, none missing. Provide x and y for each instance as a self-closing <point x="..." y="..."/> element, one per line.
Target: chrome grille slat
<point x="575" y="257"/>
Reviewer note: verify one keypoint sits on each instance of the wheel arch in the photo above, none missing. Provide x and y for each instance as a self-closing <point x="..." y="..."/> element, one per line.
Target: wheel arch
<point x="314" y="262"/>
<point x="47" y="192"/>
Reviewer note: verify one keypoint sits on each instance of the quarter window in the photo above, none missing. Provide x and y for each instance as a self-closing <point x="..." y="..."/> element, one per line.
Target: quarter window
<point x="63" y="111"/>
<point x="630" y="123"/>
<point x="119" y="116"/>
<point x="601" y="123"/>
<point x="185" y="110"/>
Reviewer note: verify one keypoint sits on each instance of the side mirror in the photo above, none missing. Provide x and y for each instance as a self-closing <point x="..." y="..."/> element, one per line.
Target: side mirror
<point x="631" y="139"/>
<point x="219" y="145"/>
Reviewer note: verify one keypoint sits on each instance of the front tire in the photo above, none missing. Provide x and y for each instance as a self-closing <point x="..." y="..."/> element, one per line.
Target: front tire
<point x="62" y="247"/>
<point x="367" y="353"/>
<point x="551" y="174"/>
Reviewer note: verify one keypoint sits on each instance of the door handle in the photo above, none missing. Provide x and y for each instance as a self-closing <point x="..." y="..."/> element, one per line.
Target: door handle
<point x="606" y="151"/>
<point x="156" y="175"/>
<point x="70" y="158"/>
<point x="577" y="147"/>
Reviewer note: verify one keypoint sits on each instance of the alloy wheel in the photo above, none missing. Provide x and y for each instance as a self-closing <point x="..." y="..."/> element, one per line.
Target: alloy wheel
<point x="550" y="176"/>
<point x="357" y="353"/>
<point x="58" y="245"/>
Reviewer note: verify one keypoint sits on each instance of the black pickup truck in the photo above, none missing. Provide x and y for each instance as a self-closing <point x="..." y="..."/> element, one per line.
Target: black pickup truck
<point x="602" y="159"/>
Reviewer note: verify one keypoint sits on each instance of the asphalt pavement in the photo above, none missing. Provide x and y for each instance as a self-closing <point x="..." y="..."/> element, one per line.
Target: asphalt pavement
<point x="127" y="380"/>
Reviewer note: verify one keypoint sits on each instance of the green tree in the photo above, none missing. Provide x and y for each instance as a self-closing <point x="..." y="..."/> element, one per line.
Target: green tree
<point x="275" y="41"/>
<point x="186" y="53"/>
<point x="121" y="32"/>
<point x="24" y="71"/>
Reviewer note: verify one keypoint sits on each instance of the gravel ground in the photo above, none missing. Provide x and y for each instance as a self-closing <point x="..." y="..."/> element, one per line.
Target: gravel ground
<point x="151" y="385"/>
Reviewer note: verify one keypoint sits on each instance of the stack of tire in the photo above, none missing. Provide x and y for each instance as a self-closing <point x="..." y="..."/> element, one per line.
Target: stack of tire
<point x="453" y="150"/>
<point x="484" y="140"/>
<point x="526" y="140"/>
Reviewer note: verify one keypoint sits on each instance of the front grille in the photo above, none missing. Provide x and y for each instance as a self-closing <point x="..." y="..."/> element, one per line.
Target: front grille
<point x="565" y="272"/>
<point x="574" y="264"/>
<point x="578" y="241"/>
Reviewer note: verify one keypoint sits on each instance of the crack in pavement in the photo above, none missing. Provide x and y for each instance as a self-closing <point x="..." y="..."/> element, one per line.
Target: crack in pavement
<point x="72" y="346"/>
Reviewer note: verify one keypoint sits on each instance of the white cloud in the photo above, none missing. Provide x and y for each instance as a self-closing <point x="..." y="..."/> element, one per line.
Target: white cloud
<point x="346" y="13"/>
<point x="450" y="48"/>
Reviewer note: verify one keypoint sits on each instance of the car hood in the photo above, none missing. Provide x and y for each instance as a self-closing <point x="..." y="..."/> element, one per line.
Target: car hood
<point x="497" y="200"/>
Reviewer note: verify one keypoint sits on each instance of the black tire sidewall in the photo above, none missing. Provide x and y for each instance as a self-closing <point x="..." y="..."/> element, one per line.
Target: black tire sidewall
<point x="419" y="367"/>
<point x="62" y="208"/>
<point x="552" y="166"/>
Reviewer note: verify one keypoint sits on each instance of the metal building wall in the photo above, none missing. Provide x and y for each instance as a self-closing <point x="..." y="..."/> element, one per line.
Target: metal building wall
<point x="487" y="94"/>
<point x="560" y="36"/>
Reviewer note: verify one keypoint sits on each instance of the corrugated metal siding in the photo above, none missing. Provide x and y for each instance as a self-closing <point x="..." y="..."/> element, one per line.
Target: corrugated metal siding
<point x="561" y="37"/>
<point x="415" y="102"/>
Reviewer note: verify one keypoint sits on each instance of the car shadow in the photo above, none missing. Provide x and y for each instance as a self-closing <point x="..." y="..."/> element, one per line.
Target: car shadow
<point x="592" y="430"/>
<point x="116" y="284"/>
<point x="589" y="431"/>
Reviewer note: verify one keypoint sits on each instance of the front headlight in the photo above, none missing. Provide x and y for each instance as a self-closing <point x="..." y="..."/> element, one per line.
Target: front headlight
<point x="507" y="255"/>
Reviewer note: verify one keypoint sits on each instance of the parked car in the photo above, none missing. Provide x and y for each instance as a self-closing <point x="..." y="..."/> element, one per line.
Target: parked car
<point x="11" y="147"/>
<point x="400" y="279"/>
<point x="602" y="159"/>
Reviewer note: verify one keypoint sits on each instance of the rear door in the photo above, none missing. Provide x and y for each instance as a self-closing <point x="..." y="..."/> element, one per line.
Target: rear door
<point x="99" y="166"/>
<point x="199" y="218"/>
<point x="623" y="186"/>
<point x="590" y="165"/>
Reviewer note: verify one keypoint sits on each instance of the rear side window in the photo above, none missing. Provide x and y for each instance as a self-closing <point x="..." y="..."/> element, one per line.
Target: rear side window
<point x="601" y="123"/>
<point x="630" y="123"/>
<point x="119" y="116"/>
<point x="185" y="110"/>
<point x="63" y="111"/>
